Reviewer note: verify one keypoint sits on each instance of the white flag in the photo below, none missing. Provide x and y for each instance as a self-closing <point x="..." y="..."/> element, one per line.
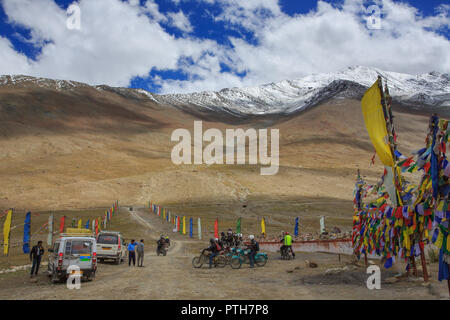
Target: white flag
<point x="199" y="229"/>
<point x="50" y="230"/>
<point x="322" y="224"/>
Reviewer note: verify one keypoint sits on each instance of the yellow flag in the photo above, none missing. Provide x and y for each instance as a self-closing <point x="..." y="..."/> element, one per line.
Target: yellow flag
<point x="6" y="232"/>
<point x="184" y="225"/>
<point x="263" y="226"/>
<point x="80" y="224"/>
<point x="372" y="111"/>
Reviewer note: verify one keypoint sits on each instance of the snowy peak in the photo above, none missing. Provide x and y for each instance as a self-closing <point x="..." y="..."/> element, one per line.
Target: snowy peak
<point x="431" y="89"/>
<point x="30" y="82"/>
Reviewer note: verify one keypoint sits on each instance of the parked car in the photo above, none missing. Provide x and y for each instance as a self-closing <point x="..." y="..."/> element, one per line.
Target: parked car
<point x="111" y="245"/>
<point x="72" y="250"/>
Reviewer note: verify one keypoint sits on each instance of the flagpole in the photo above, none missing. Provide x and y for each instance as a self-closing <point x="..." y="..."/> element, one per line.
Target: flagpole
<point x="386" y="103"/>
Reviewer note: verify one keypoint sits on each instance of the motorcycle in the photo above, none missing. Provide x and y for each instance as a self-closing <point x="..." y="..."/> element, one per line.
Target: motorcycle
<point x="286" y="253"/>
<point x="242" y="254"/>
<point x="161" y="250"/>
<point x="218" y="261"/>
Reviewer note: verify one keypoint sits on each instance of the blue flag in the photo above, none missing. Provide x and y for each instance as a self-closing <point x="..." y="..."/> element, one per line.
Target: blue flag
<point x="27" y="233"/>
<point x="296" y="227"/>
<point x="190" y="227"/>
<point x="87" y="225"/>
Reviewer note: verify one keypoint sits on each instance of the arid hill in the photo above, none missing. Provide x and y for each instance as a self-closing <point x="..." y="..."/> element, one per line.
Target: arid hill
<point x="81" y="147"/>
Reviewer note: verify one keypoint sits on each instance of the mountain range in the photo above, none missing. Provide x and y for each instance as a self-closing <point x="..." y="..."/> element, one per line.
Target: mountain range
<point x="427" y="92"/>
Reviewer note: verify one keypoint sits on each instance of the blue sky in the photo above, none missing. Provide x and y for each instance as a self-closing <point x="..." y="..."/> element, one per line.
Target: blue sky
<point x="194" y="45"/>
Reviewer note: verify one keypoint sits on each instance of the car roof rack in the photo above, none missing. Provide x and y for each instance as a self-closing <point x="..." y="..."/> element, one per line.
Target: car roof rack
<point x="76" y="235"/>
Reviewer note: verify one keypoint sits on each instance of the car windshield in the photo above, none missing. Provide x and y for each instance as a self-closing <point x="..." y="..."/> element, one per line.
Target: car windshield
<point x="107" y="239"/>
<point x="78" y="246"/>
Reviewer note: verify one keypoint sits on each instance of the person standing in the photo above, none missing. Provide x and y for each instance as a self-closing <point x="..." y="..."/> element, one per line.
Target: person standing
<point x="253" y="247"/>
<point x="132" y="253"/>
<point x="140" y="253"/>
<point x="36" y="254"/>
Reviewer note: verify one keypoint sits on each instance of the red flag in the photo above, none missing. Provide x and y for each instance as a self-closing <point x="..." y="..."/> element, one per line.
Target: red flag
<point x="96" y="226"/>
<point x="61" y="224"/>
<point x="216" y="228"/>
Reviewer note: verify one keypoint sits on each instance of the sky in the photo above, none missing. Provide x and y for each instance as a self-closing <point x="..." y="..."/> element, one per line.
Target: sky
<point x="178" y="46"/>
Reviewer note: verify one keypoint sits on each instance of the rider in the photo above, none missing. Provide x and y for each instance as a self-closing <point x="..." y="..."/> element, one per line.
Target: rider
<point x="223" y="237"/>
<point x="287" y="243"/>
<point x="219" y="242"/>
<point x="229" y="240"/>
<point x="161" y="242"/>
<point x="253" y="247"/>
<point x="213" y="247"/>
<point x="238" y="240"/>
<point x="167" y="240"/>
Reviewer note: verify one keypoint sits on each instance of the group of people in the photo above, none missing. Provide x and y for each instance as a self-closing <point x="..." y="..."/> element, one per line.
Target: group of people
<point x="232" y="240"/>
<point x="133" y="248"/>
<point x="138" y="248"/>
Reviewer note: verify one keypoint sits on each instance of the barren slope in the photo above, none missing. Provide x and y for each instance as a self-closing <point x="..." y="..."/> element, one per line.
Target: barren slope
<point x="86" y="148"/>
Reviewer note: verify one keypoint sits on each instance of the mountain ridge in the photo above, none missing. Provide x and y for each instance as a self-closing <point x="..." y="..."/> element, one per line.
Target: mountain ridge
<point x="430" y="91"/>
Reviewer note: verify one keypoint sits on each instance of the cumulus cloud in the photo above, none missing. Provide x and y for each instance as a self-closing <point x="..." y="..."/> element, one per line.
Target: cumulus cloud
<point x="327" y="39"/>
<point x="180" y="21"/>
<point x="121" y="40"/>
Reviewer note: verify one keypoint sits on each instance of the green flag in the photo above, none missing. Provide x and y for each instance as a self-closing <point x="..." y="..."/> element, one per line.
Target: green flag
<point x="238" y="227"/>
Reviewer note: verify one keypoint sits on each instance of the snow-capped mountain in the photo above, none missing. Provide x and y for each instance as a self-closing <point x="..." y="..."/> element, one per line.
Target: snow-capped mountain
<point x="431" y="89"/>
<point x="285" y="97"/>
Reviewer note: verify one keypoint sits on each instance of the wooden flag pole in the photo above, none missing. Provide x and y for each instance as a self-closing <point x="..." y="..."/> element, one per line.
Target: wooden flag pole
<point x="423" y="260"/>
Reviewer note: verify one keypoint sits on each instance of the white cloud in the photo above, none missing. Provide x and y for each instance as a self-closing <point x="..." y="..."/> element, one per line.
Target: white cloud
<point x="117" y="41"/>
<point x="12" y="62"/>
<point x="180" y="21"/>
<point x="121" y="40"/>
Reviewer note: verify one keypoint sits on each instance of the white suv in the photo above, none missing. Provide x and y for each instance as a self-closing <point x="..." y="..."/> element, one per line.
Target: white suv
<point x="70" y="250"/>
<point x="110" y="245"/>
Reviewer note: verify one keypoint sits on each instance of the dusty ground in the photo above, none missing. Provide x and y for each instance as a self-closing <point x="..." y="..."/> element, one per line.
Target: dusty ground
<point x="173" y="277"/>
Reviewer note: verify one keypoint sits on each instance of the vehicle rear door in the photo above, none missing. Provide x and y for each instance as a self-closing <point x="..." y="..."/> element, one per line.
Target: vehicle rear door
<point x="53" y="256"/>
<point x="108" y="244"/>
<point x="79" y="252"/>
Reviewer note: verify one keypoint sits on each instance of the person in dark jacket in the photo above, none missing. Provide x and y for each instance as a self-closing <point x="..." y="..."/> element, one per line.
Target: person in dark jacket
<point x="213" y="247"/>
<point x="36" y="254"/>
<point x="253" y="247"/>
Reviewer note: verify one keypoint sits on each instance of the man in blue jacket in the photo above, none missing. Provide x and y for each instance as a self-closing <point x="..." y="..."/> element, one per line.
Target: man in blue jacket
<point x="132" y="253"/>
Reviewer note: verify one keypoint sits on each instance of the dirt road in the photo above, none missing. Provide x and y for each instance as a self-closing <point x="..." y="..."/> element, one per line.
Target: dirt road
<point x="173" y="277"/>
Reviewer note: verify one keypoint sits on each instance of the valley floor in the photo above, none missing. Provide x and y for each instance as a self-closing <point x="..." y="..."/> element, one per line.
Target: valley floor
<point x="173" y="277"/>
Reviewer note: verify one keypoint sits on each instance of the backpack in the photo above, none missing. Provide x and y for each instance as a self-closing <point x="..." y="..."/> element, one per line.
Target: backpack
<point x="218" y="247"/>
<point x="256" y="246"/>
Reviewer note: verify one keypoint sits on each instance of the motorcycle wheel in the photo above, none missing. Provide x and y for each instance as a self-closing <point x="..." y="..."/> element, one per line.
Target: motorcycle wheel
<point x="260" y="261"/>
<point x="220" y="261"/>
<point x="236" y="263"/>
<point x="197" y="262"/>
